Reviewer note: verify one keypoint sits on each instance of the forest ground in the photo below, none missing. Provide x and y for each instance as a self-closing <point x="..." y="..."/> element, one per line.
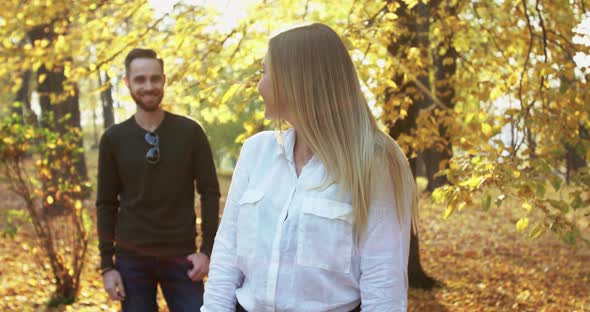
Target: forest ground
<point x="482" y="262"/>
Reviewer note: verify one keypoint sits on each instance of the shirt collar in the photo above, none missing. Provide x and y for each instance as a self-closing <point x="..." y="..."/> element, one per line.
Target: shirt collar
<point x="286" y="140"/>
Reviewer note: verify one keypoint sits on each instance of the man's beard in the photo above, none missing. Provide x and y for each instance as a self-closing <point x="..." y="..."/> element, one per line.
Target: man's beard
<point x="146" y="107"/>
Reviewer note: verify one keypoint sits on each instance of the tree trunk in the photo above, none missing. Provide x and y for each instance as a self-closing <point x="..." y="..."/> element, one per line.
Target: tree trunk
<point x="60" y="120"/>
<point x="23" y="97"/>
<point x="444" y="59"/>
<point x="61" y="116"/>
<point x="574" y="161"/>
<point x="418" y="23"/>
<point x="574" y="157"/>
<point x="60" y="113"/>
<point x="94" y="129"/>
<point x="106" y="97"/>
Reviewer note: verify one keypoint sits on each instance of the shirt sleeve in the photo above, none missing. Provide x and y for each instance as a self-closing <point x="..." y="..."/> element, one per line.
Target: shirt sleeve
<point x="384" y="254"/>
<point x="224" y="276"/>
<point x="107" y="202"/>
<point x="208" y="188"/>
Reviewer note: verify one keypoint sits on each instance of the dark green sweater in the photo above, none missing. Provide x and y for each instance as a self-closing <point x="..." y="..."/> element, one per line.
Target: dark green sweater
<point x="148" y="209"/>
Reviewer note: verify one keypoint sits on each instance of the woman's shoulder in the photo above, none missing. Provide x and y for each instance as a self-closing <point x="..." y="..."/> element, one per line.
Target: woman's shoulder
<point x="262" y="145"/>
<point x="262" y="139"/>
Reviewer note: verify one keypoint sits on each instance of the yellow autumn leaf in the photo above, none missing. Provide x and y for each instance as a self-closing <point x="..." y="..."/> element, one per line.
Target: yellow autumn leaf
<point x="60" y="44"/>
<point x="528" y="207"/>
<point x="67" y="70"/>
<point x="523" y="296"/>
<point x="49" y="199"/>
<point x="411" y="3"/>
<point x="391" y="16"/>
<point x="461" y="206"/>
<point x="522" y="224"/>
<point x="440" y="194"/>
<point x="41" y="78"/>
<point x="403" y="113"/>
<point x="486" y="129"/>
<point x="448" y="61"/>
<point x="450" y="209"/>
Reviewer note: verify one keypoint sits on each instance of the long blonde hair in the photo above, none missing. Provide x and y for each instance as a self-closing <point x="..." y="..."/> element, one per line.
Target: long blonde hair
<point x="313" y="75"/>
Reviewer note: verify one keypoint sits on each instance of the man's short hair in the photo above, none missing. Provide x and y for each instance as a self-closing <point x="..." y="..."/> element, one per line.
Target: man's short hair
<point x="141" y="53"/>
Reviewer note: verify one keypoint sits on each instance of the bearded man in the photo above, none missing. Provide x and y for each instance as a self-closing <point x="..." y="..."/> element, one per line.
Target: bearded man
<point x="148" y="169"/>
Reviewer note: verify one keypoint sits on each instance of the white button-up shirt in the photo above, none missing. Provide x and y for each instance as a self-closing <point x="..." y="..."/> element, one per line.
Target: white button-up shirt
<point x="286" y="245"/>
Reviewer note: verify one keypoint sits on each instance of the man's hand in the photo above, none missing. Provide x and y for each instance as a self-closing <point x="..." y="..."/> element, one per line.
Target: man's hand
<point x="113" y="284"/>
<point x="200" y="266"/>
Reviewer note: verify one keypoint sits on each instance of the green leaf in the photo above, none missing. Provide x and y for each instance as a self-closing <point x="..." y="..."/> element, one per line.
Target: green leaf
<point x="9" y="231"/>
<point x="558" y="204"/>
<point x="570" y="238"/>
<point x="537" y="230"/>
<point x="577" y="201"/>
<point x="486" y="202"/>
<point x="563" y="87"/>
<point x="556" y="183"/>
<point x="546" y="167"/>
<point x="540" y="190"/>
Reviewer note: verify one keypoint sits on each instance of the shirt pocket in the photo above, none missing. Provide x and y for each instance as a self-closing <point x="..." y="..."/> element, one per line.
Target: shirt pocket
<point x="325" y="235"/>
<point x="247" y="223"/>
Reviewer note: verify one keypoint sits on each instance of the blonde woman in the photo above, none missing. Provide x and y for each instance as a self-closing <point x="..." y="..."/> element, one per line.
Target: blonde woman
<point x="318" y="216"/>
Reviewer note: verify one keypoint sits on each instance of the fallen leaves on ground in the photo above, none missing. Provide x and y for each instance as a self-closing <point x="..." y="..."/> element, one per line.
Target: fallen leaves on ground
<point x="486" y="265"/>
<point x="481" y="260"/>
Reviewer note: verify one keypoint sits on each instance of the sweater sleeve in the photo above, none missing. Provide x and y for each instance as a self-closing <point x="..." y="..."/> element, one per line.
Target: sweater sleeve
<point x="208" y="188"/>
<point x="107" y="202"/>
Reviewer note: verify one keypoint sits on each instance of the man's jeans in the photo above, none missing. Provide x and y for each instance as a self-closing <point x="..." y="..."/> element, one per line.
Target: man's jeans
<point x="142" y="274"/>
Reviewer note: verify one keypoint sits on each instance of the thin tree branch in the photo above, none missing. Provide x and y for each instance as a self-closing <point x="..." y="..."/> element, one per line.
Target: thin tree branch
<point x="305" y="11"/>
<point x="373" y="18"/>
<point x="523" y="105"/>
<point x="562" y="37"/>
<point x="528" y="54"/>
<point x="352" y="6"/>
<point x="542" y="24"/>
<point x="493" y="36"/>
<point x="130" y="43"/>
<point x="239" y="45"/>
<point x="570" y="57"/>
